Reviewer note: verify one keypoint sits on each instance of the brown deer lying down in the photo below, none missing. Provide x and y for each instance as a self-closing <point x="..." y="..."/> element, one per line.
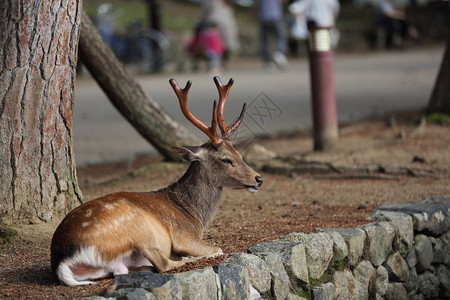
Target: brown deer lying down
<point x="121" y="230"/>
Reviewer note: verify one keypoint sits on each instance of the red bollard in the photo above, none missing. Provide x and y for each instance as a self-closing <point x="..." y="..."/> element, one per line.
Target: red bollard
<point x="322" y="89"/>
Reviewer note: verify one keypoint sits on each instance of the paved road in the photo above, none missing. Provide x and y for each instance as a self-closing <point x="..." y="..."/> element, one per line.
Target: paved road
<point x="366" y="84"/>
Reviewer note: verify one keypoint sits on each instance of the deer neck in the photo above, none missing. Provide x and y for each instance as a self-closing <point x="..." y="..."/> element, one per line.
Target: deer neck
<point x="197" y="192"/>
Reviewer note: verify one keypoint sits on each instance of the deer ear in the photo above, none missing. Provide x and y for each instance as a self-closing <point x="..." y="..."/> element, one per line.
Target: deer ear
<point x="190" y="153"/>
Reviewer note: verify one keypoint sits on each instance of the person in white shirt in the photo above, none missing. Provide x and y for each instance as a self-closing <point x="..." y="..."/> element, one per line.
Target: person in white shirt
<point x="316" y="13"/>
<point x="394" y="21"/>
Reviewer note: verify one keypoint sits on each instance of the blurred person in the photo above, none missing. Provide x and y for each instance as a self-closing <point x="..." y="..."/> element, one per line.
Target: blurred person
<point x="206" y="44"/>
<point x="193" y="46"/>
<point x="270" y="17"/>
<point x="105" y="21"/>
<point x="394" y="21"/>
<point x="213" y="47"/>
<point x="221" y="13"/>
<point x="318" y="13"/>
<point x="299" y="30"/>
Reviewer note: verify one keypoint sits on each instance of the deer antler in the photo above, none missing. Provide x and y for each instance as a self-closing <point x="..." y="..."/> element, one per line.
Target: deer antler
<point x="182" y="95"/>
<point x="227" y="131"/>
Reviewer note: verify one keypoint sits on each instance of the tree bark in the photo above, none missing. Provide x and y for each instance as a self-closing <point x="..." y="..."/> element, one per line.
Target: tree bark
<point x="440" y="97"/>
<point x="38" y="51"/>
<point x="126" y="94"/>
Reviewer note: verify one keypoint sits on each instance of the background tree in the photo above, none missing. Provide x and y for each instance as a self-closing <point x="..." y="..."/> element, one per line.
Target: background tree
<point x="154" y="13"/>
<point x="127" y="95"/>
<point x="38" y="51"/>
<point x="440" y="97"/>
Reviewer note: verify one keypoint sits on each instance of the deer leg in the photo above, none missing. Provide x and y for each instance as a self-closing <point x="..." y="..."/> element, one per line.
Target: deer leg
<point x="160" y="261"/>
<point x="197" y="248"/>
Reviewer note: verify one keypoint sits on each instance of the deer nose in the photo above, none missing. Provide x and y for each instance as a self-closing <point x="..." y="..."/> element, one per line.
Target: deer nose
<point x="259" y="181"/>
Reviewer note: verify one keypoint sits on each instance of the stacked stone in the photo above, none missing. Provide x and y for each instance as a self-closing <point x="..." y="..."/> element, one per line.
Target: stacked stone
<point x="421" y="268"/>
<point x="404" y="254"/>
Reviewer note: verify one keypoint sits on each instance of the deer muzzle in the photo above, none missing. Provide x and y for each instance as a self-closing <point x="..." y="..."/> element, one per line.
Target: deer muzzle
<point x="254" y="188"/>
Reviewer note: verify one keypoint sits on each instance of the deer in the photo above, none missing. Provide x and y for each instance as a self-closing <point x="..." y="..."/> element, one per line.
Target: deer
<point x="161" y="229"/>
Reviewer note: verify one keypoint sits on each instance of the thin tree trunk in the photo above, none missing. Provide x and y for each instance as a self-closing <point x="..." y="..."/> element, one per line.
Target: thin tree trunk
<point x="38" y="51"/>
<point x="126" y="94"/>
<point x="440" y="97"/>
<point x="154" y="13"/>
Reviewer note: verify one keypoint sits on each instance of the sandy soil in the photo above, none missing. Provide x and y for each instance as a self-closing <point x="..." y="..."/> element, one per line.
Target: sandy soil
<point x="284" y="204"/>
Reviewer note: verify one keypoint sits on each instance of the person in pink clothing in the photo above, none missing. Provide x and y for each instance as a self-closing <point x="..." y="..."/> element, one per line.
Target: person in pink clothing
<point x="213" y="47"/>
<point x="206" y="44"/>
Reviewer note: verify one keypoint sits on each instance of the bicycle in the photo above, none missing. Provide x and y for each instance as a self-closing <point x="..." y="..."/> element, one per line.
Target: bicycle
<point x="146" y="50"/>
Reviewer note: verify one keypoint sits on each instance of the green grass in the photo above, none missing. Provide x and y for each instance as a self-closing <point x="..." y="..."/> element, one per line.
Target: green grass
<point x="339" y="265"/>
<point x="438" y="118"/>
<point x="124" y="12"/>
<point x="175" y="15"/>
<point x="306" y="295"/>
<point x="7" y="234"/>
<point x="326" y="277"/>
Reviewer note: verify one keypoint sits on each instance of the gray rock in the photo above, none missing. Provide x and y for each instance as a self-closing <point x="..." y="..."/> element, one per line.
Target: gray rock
<point x="97" y="298"/>
<point x="440" y="250"/>
<point x="382" y="280"/>
<point x="428" y="285"/>
<point x="397" y="267"/>
<point x="341" y="284"/>
<point x="319" y="251"/>
<point x="323" y="292"/>
<point x="443" y="275"/>
<point x="428" y="215"/>
<point x="445" y="238"/>
<point x="416" y="297"/>
<point x="293" y="257"/>
<point x="280" y="282"/>
<point x="256" y="155"/>
<point x="438" y="200"/>
<point x="434" y="224"/>
<point x="254" y="294"/>
<point x="364" y="278"/>
<point x="294" y="297"/>
<point x="133" y="294"/>
<point x="396" y="291"/>
<point x="198" y="284"/>
<point x="411" y="258"/>
<point x="161" y="285"/>
<point x="233" y="282"/>
<point x="280" y="289"/>
<point x="352" y="291"/>
<point x="258" y="270"/>
<point x="380" y="236"/>
<point x="412" y="285"/>
<point x="354" y="238"/>
<point x="432" y="269"/>
<point x="442" y="200"/>
<point x="340" y="249"/>
<point x="403" y="224"/>
<point x="424" y="252"/>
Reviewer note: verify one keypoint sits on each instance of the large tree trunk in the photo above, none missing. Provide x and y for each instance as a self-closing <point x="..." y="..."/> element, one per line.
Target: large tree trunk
<point x="38" y="50"/>
<point x="147" y="116"/>
<point x="440" y="97"/>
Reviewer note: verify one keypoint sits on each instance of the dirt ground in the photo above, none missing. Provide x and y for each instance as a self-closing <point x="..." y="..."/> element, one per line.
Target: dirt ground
<point x="284" y="204"/>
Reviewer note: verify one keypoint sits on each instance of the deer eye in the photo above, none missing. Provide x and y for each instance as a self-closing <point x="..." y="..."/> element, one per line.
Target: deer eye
<point x="227" y="161"/>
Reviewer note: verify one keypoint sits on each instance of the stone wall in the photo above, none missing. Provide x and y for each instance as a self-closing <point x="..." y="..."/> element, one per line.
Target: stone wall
<point x="403" y="254"/>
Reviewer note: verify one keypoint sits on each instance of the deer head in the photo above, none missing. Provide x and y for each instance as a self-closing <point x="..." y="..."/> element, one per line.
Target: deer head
<point x="219" y="157"/>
